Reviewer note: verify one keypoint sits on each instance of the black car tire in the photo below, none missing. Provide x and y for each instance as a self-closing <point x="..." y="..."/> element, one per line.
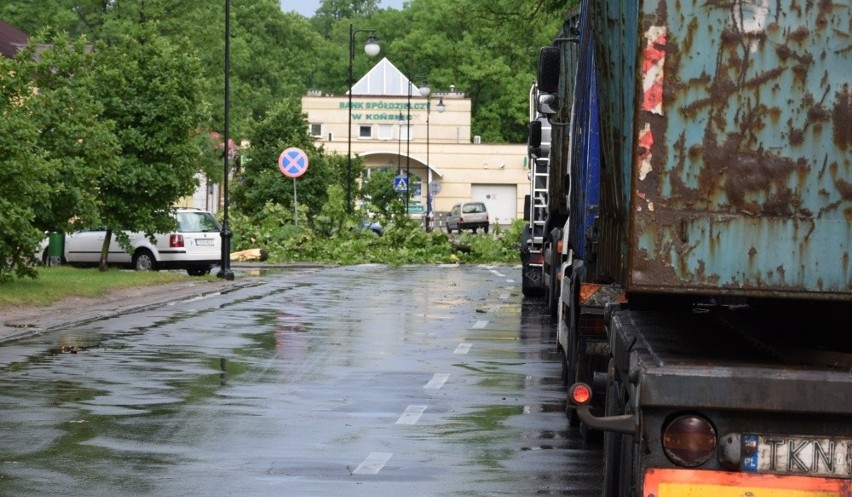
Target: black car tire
<point x="143" y="260"/>
<point x="198" y="271"/>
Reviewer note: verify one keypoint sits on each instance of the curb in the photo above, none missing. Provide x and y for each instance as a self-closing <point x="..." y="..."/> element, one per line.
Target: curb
<point x="77" y="312"/>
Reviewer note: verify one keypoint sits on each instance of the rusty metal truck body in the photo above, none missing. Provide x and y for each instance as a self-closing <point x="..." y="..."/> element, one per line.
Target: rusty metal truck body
<point x="700" y="234"/>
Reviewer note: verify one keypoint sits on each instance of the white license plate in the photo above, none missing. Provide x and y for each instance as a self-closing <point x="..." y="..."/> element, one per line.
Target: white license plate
<point x="804" y="455"/>
<point x="204" y="242"/>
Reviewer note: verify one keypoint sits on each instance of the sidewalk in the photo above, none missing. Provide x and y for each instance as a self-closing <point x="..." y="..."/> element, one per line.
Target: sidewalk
<point x="23" y="321"/>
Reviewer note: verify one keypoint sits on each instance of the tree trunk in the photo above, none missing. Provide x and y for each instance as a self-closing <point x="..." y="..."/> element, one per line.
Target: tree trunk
<point x="103" y="264"/>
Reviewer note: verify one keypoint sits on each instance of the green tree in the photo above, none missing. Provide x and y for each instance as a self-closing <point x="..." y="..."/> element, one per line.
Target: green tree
<point x="24" y="173"/>
<point x="272" y="55"/>
<point x="51" y="85"/>
<point x="81" y="144"/>
<point x="152" y="91"/>
<point x="260" y="180"/>
<point x="52" y="17"/>
<point x="487" y="49"/>
<point x="378" y="193"/>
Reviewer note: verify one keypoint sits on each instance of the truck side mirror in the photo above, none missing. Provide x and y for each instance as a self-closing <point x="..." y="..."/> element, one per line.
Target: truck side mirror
<point x="548" y="104"/>
<point x="548" y="70"/>
<point x="534" y="139"/>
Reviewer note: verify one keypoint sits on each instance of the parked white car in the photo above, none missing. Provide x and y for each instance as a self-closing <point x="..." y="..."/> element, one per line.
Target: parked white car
<point x="195" y="246"/>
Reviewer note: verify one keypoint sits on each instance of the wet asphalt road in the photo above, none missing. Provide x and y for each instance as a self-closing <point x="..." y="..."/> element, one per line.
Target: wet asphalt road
<point x="351" y="381"/>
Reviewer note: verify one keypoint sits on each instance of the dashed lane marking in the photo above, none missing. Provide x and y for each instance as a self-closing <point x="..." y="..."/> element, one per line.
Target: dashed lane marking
<point x="480" y="324"/>
<point x="373" y="463"/>
<point x="463" y="348"/>
<point x="437" y="381"/>
<point x="411" y="415"/>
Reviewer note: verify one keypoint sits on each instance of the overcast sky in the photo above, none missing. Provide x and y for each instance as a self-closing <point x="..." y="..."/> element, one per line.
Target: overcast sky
<point x="309" y="7"/>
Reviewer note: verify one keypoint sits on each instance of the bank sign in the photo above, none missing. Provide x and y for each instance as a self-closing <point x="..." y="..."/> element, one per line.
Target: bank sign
<point x="382" y="110"/>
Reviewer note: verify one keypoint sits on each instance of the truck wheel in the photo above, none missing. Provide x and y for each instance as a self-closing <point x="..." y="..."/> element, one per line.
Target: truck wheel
<point x="530" y="282"/>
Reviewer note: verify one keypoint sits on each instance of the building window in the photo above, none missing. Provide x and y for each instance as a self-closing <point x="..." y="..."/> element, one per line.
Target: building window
<point x="365" y="131"/>
<point x="316" y="130"/>
<point x="415" y="186"/>
<point x="404" y="132"/>
<point x="385" y="132"/>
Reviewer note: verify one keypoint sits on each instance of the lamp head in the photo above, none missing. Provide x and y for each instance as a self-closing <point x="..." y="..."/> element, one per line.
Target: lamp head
<point x="372" y="47"/>
<point x="441" y="107"/>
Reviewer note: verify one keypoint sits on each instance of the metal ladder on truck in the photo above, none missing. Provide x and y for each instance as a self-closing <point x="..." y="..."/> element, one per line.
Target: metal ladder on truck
<point x="538" y="203"/>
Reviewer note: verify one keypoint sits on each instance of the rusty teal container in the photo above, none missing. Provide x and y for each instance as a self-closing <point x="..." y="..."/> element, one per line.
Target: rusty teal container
<point x="727" y="131"/>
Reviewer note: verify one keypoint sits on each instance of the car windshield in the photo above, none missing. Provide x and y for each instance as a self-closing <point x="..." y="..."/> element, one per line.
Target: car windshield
<point x="197" y="222"/>
<point x="472" y="208"/>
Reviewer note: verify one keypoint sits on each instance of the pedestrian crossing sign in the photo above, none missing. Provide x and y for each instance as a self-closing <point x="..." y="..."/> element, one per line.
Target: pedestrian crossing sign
<point x="400" y="184"/>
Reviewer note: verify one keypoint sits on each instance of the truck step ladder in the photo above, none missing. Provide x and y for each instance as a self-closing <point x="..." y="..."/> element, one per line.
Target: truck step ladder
<point x="540" y="180"/>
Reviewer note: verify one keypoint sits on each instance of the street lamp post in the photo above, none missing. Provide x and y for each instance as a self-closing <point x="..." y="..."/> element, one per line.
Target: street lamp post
<point x="441" y="108"/>
<point x="225" y="265"/>
<point x="371" y="48"/>
<point x="424" y="91"/>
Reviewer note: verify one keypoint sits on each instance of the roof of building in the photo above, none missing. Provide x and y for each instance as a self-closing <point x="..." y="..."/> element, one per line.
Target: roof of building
<point x="384" y="79"/>
<point x="12" y="39"/>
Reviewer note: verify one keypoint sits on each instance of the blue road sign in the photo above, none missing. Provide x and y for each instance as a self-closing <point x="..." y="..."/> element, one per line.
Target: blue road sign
<point x="293" y="162"/>
<point x="400" y="184"/>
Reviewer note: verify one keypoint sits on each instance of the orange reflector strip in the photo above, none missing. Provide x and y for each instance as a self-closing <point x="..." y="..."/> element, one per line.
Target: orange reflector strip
<point x="559" y="246"/>
<point x="587" y="290"/>
<point x="581" y="393"/>
<point x="697" y="483"/>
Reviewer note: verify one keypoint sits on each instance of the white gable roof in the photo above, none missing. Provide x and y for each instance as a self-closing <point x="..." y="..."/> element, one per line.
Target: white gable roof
<point x="384" y="79"/>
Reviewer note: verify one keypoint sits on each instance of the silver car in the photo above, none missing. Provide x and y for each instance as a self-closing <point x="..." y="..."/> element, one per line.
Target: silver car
<point x="467" y="216"/>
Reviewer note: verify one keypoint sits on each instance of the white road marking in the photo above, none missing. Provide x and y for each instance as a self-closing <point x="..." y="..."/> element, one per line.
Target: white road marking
<point x="411" y="415"/>
<point x="437" y="381"/>
<point x="498" y="273"/>
<point x="463" y="348"/>
<point x="373" y="463"/>
<point x="504" y="296"/>
<point x="480" y="324"/>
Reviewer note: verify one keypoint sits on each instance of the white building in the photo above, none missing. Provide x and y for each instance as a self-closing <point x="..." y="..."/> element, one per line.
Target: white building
<point x="434" y="147"/>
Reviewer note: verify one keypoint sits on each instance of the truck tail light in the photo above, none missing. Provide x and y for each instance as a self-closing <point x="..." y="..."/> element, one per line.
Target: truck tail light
<point x="537" y="259"/>
<point x="689" y="440"/>
<point x="580" y="394"/>
<point x="175" y="240"/>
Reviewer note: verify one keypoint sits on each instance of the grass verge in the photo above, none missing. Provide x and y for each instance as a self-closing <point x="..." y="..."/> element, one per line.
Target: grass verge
<point x="58" y="282"/>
